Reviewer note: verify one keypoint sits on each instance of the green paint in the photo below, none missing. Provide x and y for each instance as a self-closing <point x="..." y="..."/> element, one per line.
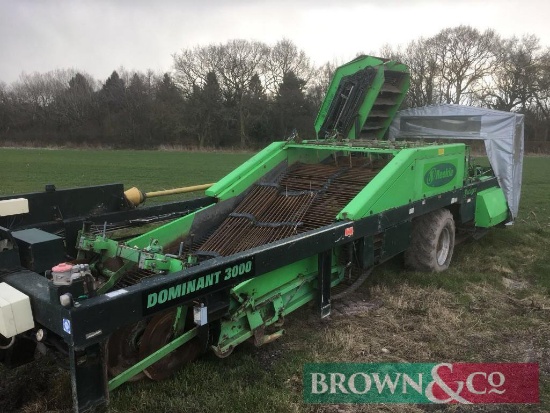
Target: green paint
<point x="151" y="359"/>
<point x="249" y="172"/>
<point x="383" y="70"/>
<point x="402" y="180"/>
<point x="491" y="208"/>
<point x="166" y="233"/>
<point x="270" y="297"/>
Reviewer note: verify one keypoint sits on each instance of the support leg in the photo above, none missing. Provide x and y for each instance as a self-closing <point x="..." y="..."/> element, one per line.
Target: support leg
<point x="89" y="378"/>
<point x="323" y="282"/>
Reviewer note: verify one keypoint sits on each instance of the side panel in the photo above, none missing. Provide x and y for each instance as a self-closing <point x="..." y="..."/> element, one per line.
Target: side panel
<point x="63" y="204"/>
<point x="166" y="233"/>
<point x="249" y="172"/>
<point x="396" y="240"/>
<point x="412" y="175"/>
<point x="491" y="208"/>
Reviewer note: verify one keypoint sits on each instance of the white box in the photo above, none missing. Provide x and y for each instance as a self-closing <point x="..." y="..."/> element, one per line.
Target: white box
<point x="14" y="207"/>
<point x="15" y="311"/>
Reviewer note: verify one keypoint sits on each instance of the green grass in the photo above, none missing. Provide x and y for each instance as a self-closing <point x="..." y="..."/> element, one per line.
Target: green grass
<point x="492" y="305"/>
<point x="28" y="170"/>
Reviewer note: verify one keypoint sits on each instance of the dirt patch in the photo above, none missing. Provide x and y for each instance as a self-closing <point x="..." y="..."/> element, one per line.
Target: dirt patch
<point x="514" y="284"/>
<point x="353" y="306"/>
<point x="40" y="386"/>
<point x="269" y="355"/>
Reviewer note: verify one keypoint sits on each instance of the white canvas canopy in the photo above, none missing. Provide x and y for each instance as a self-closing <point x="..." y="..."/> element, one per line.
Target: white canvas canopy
<point x="502" y="133"/>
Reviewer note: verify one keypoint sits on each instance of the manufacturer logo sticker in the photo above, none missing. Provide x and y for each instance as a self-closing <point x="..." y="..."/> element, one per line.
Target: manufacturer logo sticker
<point x="440" y="174"/>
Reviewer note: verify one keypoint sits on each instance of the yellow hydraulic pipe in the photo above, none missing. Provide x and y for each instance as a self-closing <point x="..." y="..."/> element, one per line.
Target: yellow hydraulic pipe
<point x="178" y="190"/>
<point x="136" y="197"/>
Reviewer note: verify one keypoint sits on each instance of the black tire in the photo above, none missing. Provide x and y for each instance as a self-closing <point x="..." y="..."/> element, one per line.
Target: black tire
<point x="432" y="242"/>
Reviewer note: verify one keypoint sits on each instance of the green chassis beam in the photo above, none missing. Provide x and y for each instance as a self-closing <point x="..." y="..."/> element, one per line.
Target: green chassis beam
<point x="151" y="359"/>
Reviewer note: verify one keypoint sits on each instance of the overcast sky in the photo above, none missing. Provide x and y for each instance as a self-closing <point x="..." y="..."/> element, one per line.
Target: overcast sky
<point x="100" y="36"/>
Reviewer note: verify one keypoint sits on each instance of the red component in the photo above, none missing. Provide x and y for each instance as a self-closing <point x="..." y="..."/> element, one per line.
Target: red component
<point x="348" y="232"/>
<point x="63" y="267"/>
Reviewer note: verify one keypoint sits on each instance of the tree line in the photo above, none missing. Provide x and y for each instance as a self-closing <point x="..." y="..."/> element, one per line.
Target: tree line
<point x="462" y="65"/>
<point x="246" y="93"/>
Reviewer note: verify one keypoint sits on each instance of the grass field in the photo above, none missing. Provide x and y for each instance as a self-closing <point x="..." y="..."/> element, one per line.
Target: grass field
<point x="26" y="170"/>
<point x="492" y="305"/>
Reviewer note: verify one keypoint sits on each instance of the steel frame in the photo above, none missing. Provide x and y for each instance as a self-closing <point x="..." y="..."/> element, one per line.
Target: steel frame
<point x="92" y="320"/>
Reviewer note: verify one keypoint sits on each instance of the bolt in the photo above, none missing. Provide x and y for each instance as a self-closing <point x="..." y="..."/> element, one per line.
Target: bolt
<point x="40" y="334"/>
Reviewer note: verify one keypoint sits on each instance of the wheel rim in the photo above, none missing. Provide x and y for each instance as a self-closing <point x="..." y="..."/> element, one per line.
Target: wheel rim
<point x="123" y="349"/>
<point x="443" y="246"/>
<point x="158" y="333"/>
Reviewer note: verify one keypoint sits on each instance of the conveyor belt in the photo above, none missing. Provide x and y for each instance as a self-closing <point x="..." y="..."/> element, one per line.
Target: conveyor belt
<point x="308" y="196"/>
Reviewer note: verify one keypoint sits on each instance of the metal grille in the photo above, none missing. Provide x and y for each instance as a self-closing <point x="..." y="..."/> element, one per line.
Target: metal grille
<point x="306" y="197"/>
<point x="134" y="276"/>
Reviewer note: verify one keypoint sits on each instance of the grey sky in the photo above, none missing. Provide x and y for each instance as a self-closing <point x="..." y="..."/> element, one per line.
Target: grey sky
<point x="100" y="36"/>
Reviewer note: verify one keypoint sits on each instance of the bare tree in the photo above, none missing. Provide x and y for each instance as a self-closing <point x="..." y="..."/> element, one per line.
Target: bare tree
<point x="191" y="66"/>
<point x="235" y="64"/>
<point x="284" y="58"/>
<point x="513" y="80"/>
<point x="40" y="89"/>
<point x="464" y="57"/>
<point x="388" y="51"/>
<point x="73" y="105"/>
<point x="320" y="82"/>
<point x="420" y="56"/>
<point x="542" y="85"/>
<point x="5" y="107"/>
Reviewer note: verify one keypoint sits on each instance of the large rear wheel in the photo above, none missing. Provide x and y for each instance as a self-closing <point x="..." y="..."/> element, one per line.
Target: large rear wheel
<point x="432" y="242"/>
<point x="159" y="332"/>
<point x="123" y="349"/>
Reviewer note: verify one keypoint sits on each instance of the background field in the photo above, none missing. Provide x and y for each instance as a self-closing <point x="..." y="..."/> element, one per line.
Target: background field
<point x="25" y="170"/>
<point x="492" y="305"/>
